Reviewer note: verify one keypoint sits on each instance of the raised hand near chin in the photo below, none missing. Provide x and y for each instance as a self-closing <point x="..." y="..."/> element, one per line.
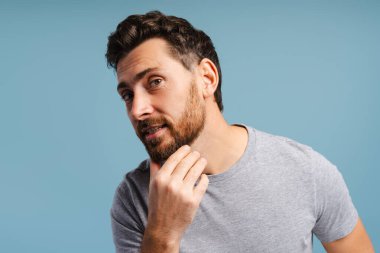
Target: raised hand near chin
<point x="173" y="199"/>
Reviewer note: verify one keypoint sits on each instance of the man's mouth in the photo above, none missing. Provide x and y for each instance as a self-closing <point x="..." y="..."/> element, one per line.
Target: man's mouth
<point x="152" y="131"/>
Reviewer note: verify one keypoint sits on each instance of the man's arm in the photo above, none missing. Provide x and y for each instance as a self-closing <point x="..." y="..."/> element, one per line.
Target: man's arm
<point x="357" y="241"/>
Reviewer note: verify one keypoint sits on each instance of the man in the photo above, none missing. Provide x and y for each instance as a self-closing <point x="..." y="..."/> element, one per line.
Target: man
<point x="210" y="186"/>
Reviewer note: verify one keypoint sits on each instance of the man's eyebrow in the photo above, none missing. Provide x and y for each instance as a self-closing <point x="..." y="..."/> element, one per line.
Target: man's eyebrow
<point x="136" y="78"/>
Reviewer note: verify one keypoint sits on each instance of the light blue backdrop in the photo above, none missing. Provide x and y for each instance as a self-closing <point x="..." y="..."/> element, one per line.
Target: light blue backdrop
<point x="308" y="70"/>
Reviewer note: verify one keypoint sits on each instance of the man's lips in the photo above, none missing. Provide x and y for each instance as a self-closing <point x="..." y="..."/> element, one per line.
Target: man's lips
<point x="151" y="129"/>
<point x="154" y="132"/>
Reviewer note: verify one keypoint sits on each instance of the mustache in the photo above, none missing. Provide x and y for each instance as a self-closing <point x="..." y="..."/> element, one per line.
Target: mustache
<point x="146" y="123"/>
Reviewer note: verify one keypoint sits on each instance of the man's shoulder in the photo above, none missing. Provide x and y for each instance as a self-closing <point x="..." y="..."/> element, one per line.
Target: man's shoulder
<point x="136" y="179"/>
<point x="129" y="207"/>
<point x="282" y="146"/>
<point x="294" y="159"/>
<point x="141" y="170"/>
<point x="270" y="140"/>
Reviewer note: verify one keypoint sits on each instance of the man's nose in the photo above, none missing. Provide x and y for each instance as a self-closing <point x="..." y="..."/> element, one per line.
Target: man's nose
<point x="141" y="105"/>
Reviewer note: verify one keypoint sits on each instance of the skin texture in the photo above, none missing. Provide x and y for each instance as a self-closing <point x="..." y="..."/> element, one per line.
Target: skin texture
<point x="173" y="199"/>
<point x="357" y="241"/>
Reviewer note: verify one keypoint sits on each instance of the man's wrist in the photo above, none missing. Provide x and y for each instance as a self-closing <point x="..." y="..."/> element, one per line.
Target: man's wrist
<point x="159" y="242"/>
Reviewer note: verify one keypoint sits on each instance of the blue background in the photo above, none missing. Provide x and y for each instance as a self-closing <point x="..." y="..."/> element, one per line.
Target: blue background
<point x="308" y="70"/>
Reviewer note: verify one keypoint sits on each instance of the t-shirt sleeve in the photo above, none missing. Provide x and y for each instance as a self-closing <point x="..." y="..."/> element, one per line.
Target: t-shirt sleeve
<point x="127" y="230"/>
<point x="336" y="215"/>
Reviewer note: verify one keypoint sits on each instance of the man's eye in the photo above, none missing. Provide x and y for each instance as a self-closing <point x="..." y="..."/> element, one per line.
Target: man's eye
<point x="155" y="82"/>
<point x="127" y="96"/>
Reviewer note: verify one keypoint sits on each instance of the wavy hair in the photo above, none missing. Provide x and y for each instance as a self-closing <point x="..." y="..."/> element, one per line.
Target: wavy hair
<point x="187" y="44"/>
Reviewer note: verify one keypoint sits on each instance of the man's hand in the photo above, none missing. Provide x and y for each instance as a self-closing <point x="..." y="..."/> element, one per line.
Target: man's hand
<point x="173" y="199"/>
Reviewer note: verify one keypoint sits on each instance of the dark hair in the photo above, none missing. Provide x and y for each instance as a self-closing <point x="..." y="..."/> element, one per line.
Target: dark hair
<point x="187" y="44"/>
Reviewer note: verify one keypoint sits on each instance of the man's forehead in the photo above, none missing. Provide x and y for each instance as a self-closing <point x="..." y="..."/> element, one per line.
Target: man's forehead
<point x="153" y="54"/>
<point x="128" y="67"/>
<point x="150" y="54"/>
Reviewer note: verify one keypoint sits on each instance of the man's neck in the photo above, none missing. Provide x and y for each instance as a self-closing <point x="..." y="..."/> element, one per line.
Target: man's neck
<point x="221" y="144"/>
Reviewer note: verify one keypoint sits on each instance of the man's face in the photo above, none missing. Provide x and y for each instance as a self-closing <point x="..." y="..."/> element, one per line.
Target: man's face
<point x="162" y="99"/>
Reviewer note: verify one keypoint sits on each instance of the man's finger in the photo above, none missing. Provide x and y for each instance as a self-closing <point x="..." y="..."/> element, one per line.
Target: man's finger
<point x="175" y="159"/>
<point x="195" y="172"/>
<point x="185" y="165"/>
<point x="201" y="188"/>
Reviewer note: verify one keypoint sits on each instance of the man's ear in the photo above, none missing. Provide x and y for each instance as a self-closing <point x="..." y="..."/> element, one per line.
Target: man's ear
<point x="209" y="76"/>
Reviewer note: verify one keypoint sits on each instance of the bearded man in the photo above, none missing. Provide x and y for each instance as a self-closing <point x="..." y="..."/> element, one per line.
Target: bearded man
<point x="209" y="186"/>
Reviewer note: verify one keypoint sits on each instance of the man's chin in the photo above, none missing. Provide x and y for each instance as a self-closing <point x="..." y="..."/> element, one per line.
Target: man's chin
<point x="160" y="152"/>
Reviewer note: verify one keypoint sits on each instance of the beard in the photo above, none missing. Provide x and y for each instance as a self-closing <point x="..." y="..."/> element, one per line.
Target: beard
<point x="182" y="132"/>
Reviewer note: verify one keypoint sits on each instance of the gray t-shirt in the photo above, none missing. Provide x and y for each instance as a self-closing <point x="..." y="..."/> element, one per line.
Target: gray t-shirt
<point x="271" y="200"/>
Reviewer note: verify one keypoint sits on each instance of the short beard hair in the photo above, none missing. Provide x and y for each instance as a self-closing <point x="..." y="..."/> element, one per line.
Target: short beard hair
<point x="185" y="131"/>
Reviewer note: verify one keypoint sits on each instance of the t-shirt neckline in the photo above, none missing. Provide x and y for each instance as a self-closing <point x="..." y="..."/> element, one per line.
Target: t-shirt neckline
<point x="249" y="149"/>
